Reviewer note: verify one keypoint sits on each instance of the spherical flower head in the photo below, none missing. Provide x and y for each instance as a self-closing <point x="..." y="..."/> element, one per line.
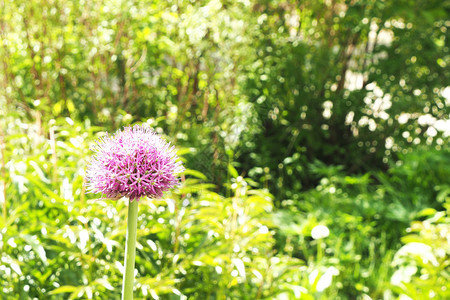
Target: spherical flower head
<point x="320" y="232"/>
<point x="133" y="163"/>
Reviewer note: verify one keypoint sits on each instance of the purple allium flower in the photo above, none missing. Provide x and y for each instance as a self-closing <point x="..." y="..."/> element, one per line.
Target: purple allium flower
<point x="133" y="163"/>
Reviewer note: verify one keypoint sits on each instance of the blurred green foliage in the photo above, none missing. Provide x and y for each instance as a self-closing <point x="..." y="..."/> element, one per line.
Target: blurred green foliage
<point x="289" y="115"/>
<point x="422" y="263"/>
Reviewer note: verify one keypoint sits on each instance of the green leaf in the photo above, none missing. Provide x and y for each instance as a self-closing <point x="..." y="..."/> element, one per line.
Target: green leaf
<point x="232" y="171"/>
<point x="195" y="173"/>
<point x="426" y="212"/>
<point x="63" y="289"/>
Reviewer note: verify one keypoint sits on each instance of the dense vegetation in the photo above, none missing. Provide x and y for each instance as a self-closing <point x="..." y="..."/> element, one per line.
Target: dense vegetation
<point x="315" y="134"/>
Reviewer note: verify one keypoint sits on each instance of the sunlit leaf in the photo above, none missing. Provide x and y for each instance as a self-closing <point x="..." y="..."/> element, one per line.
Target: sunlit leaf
<point x="63" y="289"/>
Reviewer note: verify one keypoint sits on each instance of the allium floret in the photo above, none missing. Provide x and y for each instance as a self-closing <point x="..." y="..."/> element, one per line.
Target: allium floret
<point x="133" y="163"/>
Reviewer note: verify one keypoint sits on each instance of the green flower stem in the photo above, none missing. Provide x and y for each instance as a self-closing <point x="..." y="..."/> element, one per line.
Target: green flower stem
<point x="130" y="251"/>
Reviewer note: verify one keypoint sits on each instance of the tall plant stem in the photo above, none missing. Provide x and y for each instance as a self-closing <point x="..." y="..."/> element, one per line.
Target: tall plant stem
<point x="130" y="251"/>
<point x="3" y="172"/>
